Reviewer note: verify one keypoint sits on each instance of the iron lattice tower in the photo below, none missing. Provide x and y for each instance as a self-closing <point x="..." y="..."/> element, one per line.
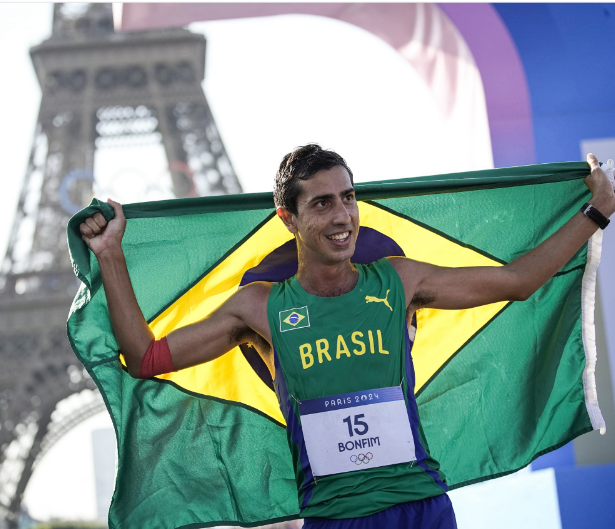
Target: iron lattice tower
<point x="98" y="87"/>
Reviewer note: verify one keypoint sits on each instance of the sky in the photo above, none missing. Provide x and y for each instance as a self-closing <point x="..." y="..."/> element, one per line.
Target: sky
<point x="21" y="26"/>
<point x="273" y="83"/>
<point x="366" y="102"/>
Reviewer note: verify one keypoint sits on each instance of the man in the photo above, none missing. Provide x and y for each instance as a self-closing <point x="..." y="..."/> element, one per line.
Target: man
<point x="335" y="340"/>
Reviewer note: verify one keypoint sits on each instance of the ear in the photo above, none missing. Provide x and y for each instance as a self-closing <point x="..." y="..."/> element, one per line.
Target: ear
<point x="289" y="219"/>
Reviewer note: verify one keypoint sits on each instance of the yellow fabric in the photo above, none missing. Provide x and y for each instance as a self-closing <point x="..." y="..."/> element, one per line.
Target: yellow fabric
<point x="230" y="377"/>
<point x="440" y="332"/>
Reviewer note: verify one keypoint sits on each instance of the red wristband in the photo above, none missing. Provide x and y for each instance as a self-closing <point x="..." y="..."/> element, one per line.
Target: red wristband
<point x="157" y="359"/>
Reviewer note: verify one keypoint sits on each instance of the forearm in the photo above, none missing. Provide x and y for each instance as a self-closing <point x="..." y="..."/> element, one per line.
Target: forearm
<point x="536" y="267"/>
<point x="461" y="288"/>
<point x="129" y="326"/>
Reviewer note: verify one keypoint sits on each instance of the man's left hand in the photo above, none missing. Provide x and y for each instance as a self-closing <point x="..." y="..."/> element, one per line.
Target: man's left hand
<point x="603" y="197"/>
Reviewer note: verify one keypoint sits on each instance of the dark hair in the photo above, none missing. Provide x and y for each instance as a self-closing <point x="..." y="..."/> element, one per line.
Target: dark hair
<point x="300" y="164"/>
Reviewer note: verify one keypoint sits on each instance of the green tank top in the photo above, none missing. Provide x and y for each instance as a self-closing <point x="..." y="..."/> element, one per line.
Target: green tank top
<point x="327" y="347"/>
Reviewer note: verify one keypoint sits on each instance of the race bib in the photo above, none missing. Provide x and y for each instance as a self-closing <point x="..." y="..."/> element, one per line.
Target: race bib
<point x="356" y="431"/>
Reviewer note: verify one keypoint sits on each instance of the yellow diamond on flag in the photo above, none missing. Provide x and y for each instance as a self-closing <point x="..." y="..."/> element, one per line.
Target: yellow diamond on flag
<point x="441" y="334"/>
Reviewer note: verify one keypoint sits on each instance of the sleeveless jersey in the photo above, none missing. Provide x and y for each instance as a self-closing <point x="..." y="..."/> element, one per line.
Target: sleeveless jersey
<point x="331" y="346"/>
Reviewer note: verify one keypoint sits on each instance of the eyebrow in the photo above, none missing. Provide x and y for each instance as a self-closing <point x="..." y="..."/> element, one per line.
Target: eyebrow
<point x="331" y="195"/>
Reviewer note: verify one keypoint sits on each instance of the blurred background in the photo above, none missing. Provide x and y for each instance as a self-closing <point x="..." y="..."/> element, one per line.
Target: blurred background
<point x="143" y="102"/>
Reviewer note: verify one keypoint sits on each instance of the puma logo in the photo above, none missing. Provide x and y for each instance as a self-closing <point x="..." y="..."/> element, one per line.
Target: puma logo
<point x="373" y="299"/>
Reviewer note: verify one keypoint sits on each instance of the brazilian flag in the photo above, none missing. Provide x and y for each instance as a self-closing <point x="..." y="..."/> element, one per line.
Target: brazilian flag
<point x="497" y="385"/>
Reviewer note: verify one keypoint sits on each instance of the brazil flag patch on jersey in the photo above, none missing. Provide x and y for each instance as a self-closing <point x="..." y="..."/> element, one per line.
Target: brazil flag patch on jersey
<point x="294" y="319"/>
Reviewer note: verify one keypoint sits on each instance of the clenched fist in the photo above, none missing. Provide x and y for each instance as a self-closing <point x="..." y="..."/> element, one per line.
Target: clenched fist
<point x="100" y="235"/>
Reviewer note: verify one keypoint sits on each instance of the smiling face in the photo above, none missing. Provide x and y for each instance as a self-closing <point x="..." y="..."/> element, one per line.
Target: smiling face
<point x="327" y="220"/>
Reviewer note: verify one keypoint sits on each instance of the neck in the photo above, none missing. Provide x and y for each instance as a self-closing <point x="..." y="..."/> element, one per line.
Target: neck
<point x="326" y="279"/>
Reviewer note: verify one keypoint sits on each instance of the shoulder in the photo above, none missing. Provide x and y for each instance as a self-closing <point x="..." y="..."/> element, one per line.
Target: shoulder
<point x="405" y="266"/>
<point x="402" y="265"/>
<point x="410" y="273"/>
<point x="257" y="292"/>
<point x="248" y="301"/>
<point x="249" y="304"/>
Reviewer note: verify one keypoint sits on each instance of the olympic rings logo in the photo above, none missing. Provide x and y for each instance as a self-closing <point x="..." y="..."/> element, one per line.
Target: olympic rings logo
<point x="362" y="458"/>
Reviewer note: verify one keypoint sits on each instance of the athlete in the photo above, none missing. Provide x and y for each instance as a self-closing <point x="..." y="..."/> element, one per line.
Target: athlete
<point x="335" y="339"/>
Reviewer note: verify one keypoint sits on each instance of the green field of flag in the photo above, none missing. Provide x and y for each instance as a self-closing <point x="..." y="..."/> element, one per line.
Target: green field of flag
<point x="496" y="386"/>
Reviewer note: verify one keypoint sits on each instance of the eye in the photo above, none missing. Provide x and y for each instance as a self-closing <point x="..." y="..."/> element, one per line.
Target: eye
<point x="321" y="203"/>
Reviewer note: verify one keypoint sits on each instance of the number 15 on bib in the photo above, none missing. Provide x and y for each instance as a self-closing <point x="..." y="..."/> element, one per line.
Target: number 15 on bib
<point x="356" y="431"/>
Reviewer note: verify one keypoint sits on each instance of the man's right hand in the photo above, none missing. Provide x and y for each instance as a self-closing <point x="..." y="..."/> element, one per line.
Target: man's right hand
<point x="100" y="235"/>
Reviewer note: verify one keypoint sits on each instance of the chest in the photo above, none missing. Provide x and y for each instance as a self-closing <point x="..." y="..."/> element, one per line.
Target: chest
<point x="329" y="346"/>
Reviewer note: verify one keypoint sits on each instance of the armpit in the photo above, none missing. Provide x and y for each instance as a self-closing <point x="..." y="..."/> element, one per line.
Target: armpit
<point x="422" y="299"/>
<point x="249" y="336"/>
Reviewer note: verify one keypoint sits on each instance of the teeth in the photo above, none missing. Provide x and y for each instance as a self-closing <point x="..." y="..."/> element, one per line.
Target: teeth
<point x="339" y="236"/>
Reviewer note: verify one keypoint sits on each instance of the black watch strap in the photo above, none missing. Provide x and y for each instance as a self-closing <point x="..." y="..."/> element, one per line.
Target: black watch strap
<point x="592" y="213"/>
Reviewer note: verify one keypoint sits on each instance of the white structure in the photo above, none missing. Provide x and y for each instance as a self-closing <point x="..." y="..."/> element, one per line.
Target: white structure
<point x="104" y="452"/>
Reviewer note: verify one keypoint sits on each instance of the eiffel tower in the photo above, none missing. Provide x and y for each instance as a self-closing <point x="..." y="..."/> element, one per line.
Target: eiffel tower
<point x="99" y="88"/>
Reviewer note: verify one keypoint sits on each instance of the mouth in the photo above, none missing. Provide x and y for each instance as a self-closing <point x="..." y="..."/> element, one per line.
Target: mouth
<point x="340" y="239"/>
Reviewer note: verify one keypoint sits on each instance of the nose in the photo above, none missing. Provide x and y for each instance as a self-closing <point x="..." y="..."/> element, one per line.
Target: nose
<point x="341" y="214"/>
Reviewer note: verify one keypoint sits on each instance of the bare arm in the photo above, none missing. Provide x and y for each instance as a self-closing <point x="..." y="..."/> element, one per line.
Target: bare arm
<point x="242" y="318"/>
<point x="459" y="288"/>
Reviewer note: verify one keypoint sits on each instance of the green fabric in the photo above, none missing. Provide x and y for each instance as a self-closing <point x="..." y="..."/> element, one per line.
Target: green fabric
<point x="507" y="392"/>
<point x="512" y="392"/>
<point x="186" y="459"/>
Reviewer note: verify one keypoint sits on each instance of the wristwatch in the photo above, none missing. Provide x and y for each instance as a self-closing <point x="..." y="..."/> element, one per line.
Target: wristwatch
<point x="592" y="213"/>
